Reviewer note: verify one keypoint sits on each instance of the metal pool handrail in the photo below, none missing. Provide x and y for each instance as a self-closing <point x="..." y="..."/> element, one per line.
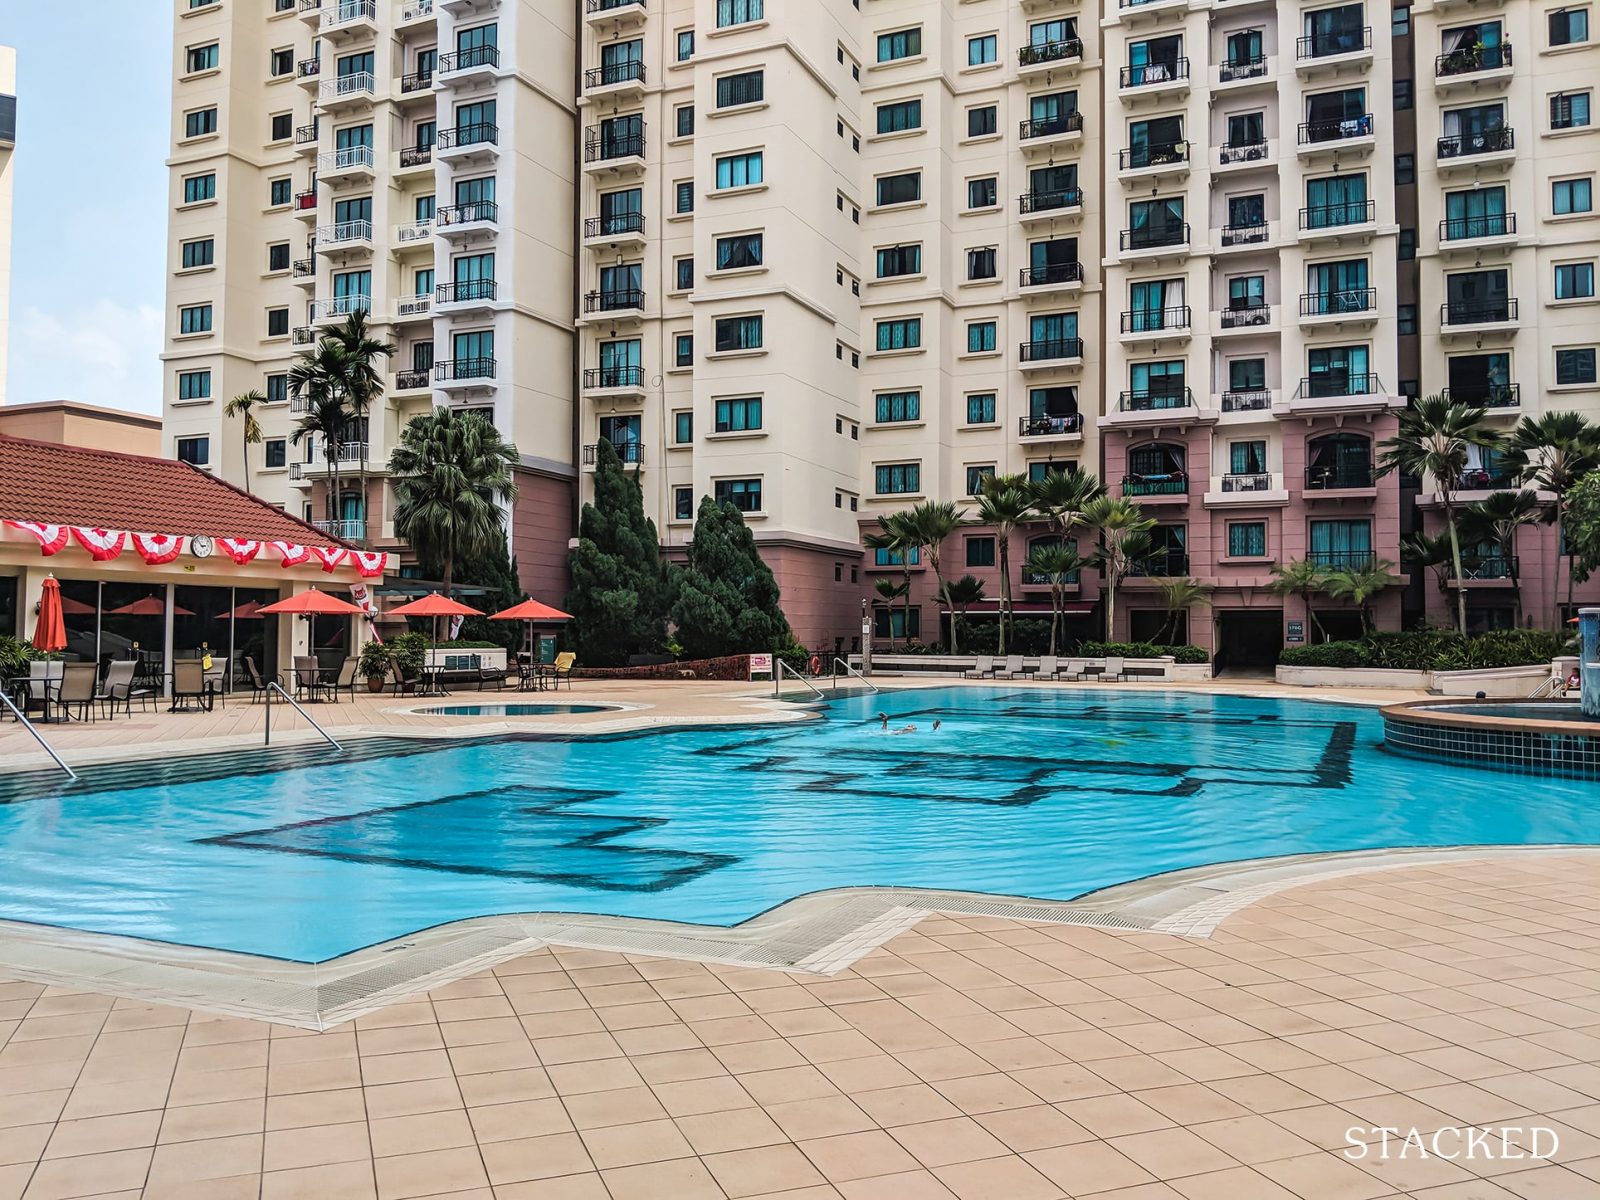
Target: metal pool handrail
<point x="37" y="736"/>
<point x="779" y="668"/>
<point x="277" y="687"/>
<point x="849" y="670"/>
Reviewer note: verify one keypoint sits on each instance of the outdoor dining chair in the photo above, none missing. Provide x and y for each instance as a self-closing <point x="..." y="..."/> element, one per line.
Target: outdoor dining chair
<point x="76" y="688"/>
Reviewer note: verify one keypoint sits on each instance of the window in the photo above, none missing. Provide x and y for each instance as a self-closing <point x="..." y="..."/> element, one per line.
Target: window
<point x="1247" y="539"/>
<point x="980" y="337"/>
<point x="682" y="274"/>
<point x="277" y="322"/>
<point x="278" y="256"/>
<point x="1569" y="26"/>
<point x="199" y="123"/>
<point x="980" y="550"/>
<point x="980" y="408"/>
<point x="1406" y="319"/>
<point x="196" y="318"/>
<point x="739" y="170"/>
<point x="1574" y="281"/>
<point x="1575" y="366"/>
<point x="1341" y="543"/>
<point x="194" y="385"/>
<point x="1569" y="110"/>
<point x="1405" y="168"/>
<point x="199" y="253"/>
<point x="1407" y="245"/>
<point x="892" y="623"/>
<point x="900" y="116"/>
<point x="901" y="333"/>
<point x="883" y="556"/>
<point x="201" y="58"/>
<point x="900" y="189"/>
<point x="743" y="494"/>
<point x="277" y="389"/>
<point x="898" y="406"/>
<point x="281" y="62"/>
<point x="980" y="263"/>
<point x="683" y="504"/>
<point x="197" y="188"/>
<point x="1403" y="96"/>
<point x="737" y="333"/>
<point x="282" y="127"/>
<point x="747" y="87"/>
<point x="898" y="479"/>
<point x="903" y="43"/>
<point x="683" y="350"/>
<point x="738" y="12"/>
<point x="1572" y="196"/>
<point x="684" y="115"/>
<point x="983" y="193"/>
<point x="1400" y="22"/>
<point x="983" y="121"/>
<point x="682" y="428"/>
<point x="899" y="260"/>
<point x="685" y="45"/>
<point x="280" y="192"/>
<point x="683" y="196"/>
<point x="738" y="415"/>
<point x="275" y="454"/>
<point x="196" y="451"/>
<point x="738" y="252"/>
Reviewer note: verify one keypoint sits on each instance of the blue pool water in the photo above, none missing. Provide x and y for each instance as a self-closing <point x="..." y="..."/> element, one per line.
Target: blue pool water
<point x="1036" y="793"/>
<point x="511" y="708"/>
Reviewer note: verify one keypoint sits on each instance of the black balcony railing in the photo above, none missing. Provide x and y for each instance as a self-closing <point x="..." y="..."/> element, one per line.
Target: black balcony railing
<point x="464" y="291"/>
<point x="405" y="381"/>
<point x="1039" y="127"/>
<point x="613" y="226"/>
<point x="475" y="212"/>
<point x="306" y="199"/>
<point x="1245" y="235"/>
<point x="1150" y="74"/>
<point x="1049" y="201"/>
<point x="1334" y="42"/>
<point x="479" y="133"/>
<point x="614" y="300"/>
<point x="1156" y="401"/>
<point x="1137" y="158"/>
<point x="465" y="60"/>
<point x="1163" y="564"/>
<point x="416" y="156"/>
<point x="1353" y="560"/>
<point x="1050" y="426"/>
<point x="1330" y="384"/>
<point x="304" y="135"/>
<point x="1460" y="229"/>
<point x="1157" y="485"/>
<point x="1258" y="481"/>
<point x="1051" y="273"/>
<point x="1257" y="400"/>
<point x="599" y="147"/>
<point x="1480" y="567"/>
<point x="1241" y="152"/>
<point x="1045" y="349"/>
<point x="304" y="268"/>
<point x="1488" y="479"/>
<point x="1338" y="302"/>
<point x="1151" y="237"/>
<point x="631" y="453"/>
<point x="1334" y="216"/>
<point x="1478" y="312"/>
<point x="1485" y="141"/>
<point x="1486" y="395"/>
<point x="613" y="377"/>
<point x="1154" y="320"/>
<point x="1341" y="476"/>
<point x="308" y="68"/>
<point x="420" y="81"/>
<point x="629" y="70"/>
<point x="1468" y="59"/>
<point x="1345" y="128"/>
<point x="1049" y="52"/>
<point x="1246" y="316"/>
<point x="1242" y="68"/>
<point x="458" y="369"/>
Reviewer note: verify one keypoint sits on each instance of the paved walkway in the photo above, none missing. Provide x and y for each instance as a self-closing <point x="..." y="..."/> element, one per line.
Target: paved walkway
<point x="974" y="1058"/>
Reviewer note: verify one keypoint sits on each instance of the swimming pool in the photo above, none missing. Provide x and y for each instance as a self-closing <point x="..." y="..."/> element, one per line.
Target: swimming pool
<point x="512" y="708"/>
<point x="1025" y="792"/>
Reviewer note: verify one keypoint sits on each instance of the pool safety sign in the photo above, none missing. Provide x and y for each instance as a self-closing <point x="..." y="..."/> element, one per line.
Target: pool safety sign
<point x="760" y="664"/>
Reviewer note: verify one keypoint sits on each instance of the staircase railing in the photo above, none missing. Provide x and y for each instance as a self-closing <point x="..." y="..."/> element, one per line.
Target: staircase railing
<point x="778" y="669"/>
<point x="849" y="670"/>
<point x="278" y="687"/>
<point x="37" y="736"/>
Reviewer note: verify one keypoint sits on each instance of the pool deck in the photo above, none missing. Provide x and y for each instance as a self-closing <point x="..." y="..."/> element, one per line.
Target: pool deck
<point x="968" y="1056"/>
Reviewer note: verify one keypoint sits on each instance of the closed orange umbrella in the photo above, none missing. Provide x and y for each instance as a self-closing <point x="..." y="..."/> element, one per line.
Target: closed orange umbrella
<point x="50" y="634"/>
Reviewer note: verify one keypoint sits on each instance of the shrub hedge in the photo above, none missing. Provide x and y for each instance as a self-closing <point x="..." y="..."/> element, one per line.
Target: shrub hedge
<point x="1182" y="654"/>
<point x="1430" y="650"/>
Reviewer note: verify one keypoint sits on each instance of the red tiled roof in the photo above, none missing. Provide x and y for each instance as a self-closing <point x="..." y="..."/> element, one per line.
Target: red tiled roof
<point x="69" y="485"/>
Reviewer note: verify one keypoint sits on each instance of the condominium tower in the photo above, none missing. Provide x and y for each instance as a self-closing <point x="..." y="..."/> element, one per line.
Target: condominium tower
<point x="8" y="142"/>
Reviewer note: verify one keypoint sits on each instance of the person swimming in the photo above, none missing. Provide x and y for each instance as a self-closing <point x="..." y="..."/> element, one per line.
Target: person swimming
<point x="936" y="724"/>
<point x="883" y="726"/>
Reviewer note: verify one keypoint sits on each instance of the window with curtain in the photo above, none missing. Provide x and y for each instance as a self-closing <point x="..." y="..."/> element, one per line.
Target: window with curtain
<point x="1247" y="291"/>
<point x="1478" y="213"/>
<point x="737" y="333"/>
<point x="980" y="337"/>
<point x="981" y="408"/>
<point x="739" y="170"/>
<point x="900" y="116"/>
<point x="899" y="260"/>
<point x="980" y="263"/>
<point x="897" y="479"/>
<point x="739" y="12"/>
<point x="901" y="333"/>
<point x="1247" y="374"/>
<point x="1247" y="458"/>
<point x="1574" y="281"/>
<point x="1336" y="200"/>
<point x="889" y="407"/>
<point x="905" y="188"/>
<point x="1346" y="543"/>
<point x="1247" y="539"/>
<point x="737" y="414"/>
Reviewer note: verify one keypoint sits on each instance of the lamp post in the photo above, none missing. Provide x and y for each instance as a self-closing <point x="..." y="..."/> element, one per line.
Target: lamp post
<point x="866" y="638"/>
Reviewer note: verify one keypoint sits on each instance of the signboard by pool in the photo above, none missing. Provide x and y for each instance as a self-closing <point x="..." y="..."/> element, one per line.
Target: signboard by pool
<point x="760" y="665"/>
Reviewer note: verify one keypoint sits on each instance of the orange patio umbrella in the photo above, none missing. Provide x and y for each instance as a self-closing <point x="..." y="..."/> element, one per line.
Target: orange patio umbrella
<point x="311" y="604"/>
<point x="149" y="606"/>
<point x="434" y="605"/>
<point x="533" y="613"/>
<point x="50" y="634"/>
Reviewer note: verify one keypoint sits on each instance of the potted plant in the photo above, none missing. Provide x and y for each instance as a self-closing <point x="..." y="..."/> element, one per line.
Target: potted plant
<point x="373" y="664"/>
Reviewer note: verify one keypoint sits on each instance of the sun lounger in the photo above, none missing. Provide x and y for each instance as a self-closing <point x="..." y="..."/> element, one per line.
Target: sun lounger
<point x="984" y="668"/>
<point x="1047" y="668"/>
<point x="1013" y="666"/>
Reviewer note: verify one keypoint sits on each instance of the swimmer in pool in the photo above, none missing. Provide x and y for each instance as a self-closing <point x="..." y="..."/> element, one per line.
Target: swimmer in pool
<point x="936" y="724"/>
<point x="883" y="725"/>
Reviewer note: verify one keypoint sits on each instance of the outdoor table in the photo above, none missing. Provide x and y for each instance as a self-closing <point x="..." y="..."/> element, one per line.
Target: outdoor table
<point x="432" y="682"/>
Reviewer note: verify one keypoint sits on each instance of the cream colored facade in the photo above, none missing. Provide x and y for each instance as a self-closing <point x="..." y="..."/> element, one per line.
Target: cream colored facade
<point x="408" y="157"/>
<point x="8" y="117"/>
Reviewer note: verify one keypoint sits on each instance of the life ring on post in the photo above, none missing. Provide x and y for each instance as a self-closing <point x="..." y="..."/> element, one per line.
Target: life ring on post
<point x="816" y="664"/>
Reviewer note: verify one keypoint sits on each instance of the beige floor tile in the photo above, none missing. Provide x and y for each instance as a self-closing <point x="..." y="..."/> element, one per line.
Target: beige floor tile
<point x="542" y="1157"/>
<point x="903" y="1185"/>
<point x="857" y="1155"/>
<point x="409" y="1175"/>
<point x="736" y="1129"/>
<point x="101" y="1135"/>
<point x="1085" y="1168"/>
<point x="89" y="1175"/>
<point x="998" y="1179"/>
<point x="1036" y="1128"/>
<point x="214" y="1158"/>
<point x="624" y="1106"/>
<point x="1323" y="1177"/>
<point x="306" y="1109"/>
<point x="682" y="1179"/>
<point x="955" y="1140"/>
<point x="1236" y="1183"/>
<point x="346" y="1181"/>
<point x="822" y="1116"/>
<point x="691" y="1097"/>
<point x="23" y="1143"/>
<point x="630" y="1145"/>
<point x="1171" y="1153"/>
<point x="199" y="1122"/>
<point x="519" y="1119"/>
<point x="588" y="1186"/>
<point x="758" y="1171"/>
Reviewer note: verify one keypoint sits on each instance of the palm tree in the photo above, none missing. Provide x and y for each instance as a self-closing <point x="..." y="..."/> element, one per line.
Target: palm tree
<point x="1124" y="540"/>
<point x="899" y="540"/>
<point x="1432" y="552"/>
<point x="1060" y="497"/>
<point x="362" y="382"/>
<point x="1433" y="440"/>
<point x="1057" y="564"/>
<point x="1303" y="578"/>
<point x="452" y="480"/>
<point x="325" y="417"/>
<point x="1004" y="504"/>
<point x="316" y="381"/>
<point x="243" y="405"/>
<point x="963" y="593"/>
<point x="1179" y="596"/>
<point x="890" y="591"/>
<point x="1497" y="520"/>
<point x="930" y="523"/>
<point x="1552" y="452"/>
<point x="1358" y="585"/>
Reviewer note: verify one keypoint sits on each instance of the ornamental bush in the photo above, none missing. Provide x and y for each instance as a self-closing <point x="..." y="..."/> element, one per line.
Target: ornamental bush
<point x="1430" y="650"/>
<point x="15" y="655"/>
<point x="1182" y="654"/>
<point x="1328" y="654"/>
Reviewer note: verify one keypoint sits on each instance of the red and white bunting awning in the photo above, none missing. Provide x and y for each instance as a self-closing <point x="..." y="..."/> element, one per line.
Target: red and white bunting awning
<point x="104" y="545"/>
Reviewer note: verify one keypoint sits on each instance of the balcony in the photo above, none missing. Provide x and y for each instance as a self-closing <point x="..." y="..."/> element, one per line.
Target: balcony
<point x="1133" y="10"/>
<point x="337" y="308"/>
<point x="1242" y="155"/>
<point x="1156" y="323"/>
<point x="418" y="235"/>
<point x="305" y="139"/>
<point x="464" y="374"/>
<point x="1244" y="318"/>
<point x="1154" y="79"/>
<point x="345" y="530"/>
<point x="1346" y="477"/>
<point x="1145" y="486"/>
<point x="349" y="18"/>
<point x="1317" y="138"/>
<point x="414" y="160"/>
<point x="1032" y="578"/>
<point x="416" y="380"/>
<point x="1344" y="560"/>
<point x="1334" y="385"/>
<point x="619" y="229"/>
<point x="346" y="91"/>
<point x="618" y="14"/>
<point x="1354" y="217"/>
<point x="1477" y="482"/>
<point x="619" y="380"/>
<point x="1478" y="316"/>
<point x="1329" y="51"/>
<point x="344" y="237"/>
<point x="1037" y="133"/>
<point x="1153" y="241"/>
<point x="308" y="71"/>
<point x="1470" y="66"/>
<point x="615" y="79"/>
<point x="1149" y="161"/>
<point x="1049" y="56"/>
<point x="1156" y="402"/>
<point x="465" y="294"/>
<point x="485" y="59"/>
<point x="418" y="84"/>
<point x="1047" y="205"/>
<point x="631" y="453"/>
<point x="414" y="308"/>
<point x="1243" y="70"/>
<point x="304" y="271"/>
<point x="621" y="301"/>
<point x="1257" y="489"/>
<point x="305" y="204"/>
<point x="481" y="139"/>
<point x="1477" y="233"/>
<point x="1050" y="352"/>
<point x="1051" y="277"/>
<point x="617" y="152"/>
<point x="1490" y="396"/>
<point x="1253" y="401"/>
<point x="1066" y="426"/>
<point x="321" y="461"/>
<point x="1237" y="237"/>
<point x="311" y="11"/>
<point x="1493" y="570"/>
<point x="458" y="220"/>
<point x="1468" y="151"/>
<point x="1339" y="306"/>
<point x="303" y="335"/>
<point x="350" y="162"/>
<point x="416" y="10"/>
